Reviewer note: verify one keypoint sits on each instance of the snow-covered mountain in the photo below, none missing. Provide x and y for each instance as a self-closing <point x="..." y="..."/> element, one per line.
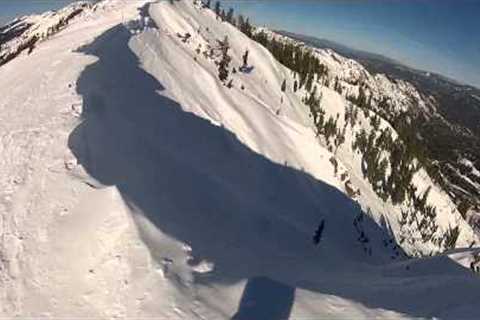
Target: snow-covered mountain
<point x="135" y="183"/>
<point x="386" y="105"/>
<point x="25" y="32"/>
<point x="448" y="130"/>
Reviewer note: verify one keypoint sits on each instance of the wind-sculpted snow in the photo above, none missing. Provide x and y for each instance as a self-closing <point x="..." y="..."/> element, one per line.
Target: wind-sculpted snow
<point x="136" y="185"/>
<point x="187" y="176"/>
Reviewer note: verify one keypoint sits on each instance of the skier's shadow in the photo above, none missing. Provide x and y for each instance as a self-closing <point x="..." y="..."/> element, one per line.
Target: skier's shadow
<point x="265" y="299"/>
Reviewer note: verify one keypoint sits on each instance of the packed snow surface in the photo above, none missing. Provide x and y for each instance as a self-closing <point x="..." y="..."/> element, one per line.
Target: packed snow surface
<point x="133" y="183"/>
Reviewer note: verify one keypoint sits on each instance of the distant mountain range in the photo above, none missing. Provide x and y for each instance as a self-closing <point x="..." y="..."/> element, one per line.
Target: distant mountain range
<point x="374" y="62"/>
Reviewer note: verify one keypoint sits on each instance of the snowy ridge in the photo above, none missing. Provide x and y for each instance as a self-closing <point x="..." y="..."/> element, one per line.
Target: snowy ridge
<point x="136" y="184"/>
<point x="25" y="32"/>
<point x="351" y="75"/>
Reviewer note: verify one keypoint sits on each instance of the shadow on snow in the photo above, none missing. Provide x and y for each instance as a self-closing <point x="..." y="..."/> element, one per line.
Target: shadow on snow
<point x="198" y="183"/>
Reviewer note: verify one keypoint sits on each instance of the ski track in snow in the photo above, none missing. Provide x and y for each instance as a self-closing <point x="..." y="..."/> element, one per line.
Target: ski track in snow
<point x="134" y="184"/>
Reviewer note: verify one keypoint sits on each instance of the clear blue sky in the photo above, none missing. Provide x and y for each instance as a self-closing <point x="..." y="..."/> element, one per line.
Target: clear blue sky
<point x="435" y="35"/>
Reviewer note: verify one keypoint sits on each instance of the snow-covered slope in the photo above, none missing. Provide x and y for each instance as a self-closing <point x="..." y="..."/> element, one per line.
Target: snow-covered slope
<point x="388" y="100"/>
<point x="135" y="184"/>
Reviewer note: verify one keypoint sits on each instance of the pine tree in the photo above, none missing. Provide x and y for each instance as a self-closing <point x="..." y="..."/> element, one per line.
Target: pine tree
<point x="284" y="85"/>
<point x="241" y="23"/>
<point x="229" y="18"/>
<point x="309" y="83"/>
<point x="223" y="64"/>
<point x="217" y="8"/>
<point x="223" y="15"/>
<point x="362" y="98"/>
<point x="295" y="86"/>
<point x="248" y="28"/>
